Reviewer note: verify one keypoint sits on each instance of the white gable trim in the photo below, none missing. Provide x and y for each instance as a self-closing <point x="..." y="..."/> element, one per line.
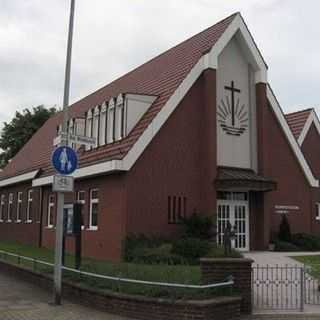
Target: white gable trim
<point x="17" y="179"/>
<point x="312" y="119"/>
<point x="209" y="60"/>
<point x="236" y="25"/>
<point x="292" y="141"/>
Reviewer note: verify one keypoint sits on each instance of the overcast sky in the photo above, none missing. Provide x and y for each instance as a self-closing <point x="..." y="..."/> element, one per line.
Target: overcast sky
<point x="113" y="37"/>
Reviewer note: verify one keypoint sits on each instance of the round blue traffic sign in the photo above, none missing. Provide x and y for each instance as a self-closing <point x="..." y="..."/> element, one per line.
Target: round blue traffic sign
<point x="65" y="160"/>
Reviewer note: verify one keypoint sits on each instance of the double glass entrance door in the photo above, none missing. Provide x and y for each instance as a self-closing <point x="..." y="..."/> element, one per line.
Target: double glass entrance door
<point x="237" y="213"/>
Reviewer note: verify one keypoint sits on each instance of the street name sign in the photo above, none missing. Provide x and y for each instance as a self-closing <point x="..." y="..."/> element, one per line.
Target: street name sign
<point x="81" y="140"/>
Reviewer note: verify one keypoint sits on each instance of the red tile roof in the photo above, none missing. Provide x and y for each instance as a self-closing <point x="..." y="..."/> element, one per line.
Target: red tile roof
<point x="160" y="76"/>
<point x="296" y="121"/>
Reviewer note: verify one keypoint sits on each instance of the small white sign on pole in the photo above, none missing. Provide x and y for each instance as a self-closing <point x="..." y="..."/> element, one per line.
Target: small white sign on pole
<point x="63" y="183"/>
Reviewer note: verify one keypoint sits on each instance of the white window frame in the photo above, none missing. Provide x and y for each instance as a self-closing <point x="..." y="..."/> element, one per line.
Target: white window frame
<point x="10" y="203"/>
<point x="111" y="124"/>
<point x="19" y="206"/>
<point x="103" y="124"/>
<point x="93" y="201"/>
<point x="118" y="118"/>
<point x="30" y="201"/>
<point x="83" y="202"/>
<point x="50" y="210"/>
<point x="318" y="211"/>
<point x="88" y="130"/>
<point x="2" y="206"/>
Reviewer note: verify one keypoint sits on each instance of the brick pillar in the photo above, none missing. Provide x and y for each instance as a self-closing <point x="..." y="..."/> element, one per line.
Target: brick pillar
<point x="217" y="270"/>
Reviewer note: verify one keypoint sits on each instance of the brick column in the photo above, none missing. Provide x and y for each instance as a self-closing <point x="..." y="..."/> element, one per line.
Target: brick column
<point x="217" y="270"/>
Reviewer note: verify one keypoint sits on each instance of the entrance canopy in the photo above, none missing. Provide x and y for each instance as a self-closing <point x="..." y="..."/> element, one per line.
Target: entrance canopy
<point x="242" y="179"/>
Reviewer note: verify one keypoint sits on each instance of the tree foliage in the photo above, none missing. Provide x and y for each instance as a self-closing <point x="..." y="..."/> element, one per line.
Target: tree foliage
<point x="20" y="129"/>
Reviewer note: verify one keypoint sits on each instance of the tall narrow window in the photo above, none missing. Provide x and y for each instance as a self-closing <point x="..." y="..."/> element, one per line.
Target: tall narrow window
<point x="10" y="203"/>
<point x="89" y="126"/>
<point x="102" y="131"/>
<point x="19" y="206"/>
<point x="177" y="209"/>
<point x="2" y="205"/>
<point x="94" y="208"/>
<point x="95" y="124"/>
<point x="119" y="118"/>
<point x="81" y="198"/>
<point x="50" y="211"/>
<point x="29" y="207"/>
<point x="110" y="125"/>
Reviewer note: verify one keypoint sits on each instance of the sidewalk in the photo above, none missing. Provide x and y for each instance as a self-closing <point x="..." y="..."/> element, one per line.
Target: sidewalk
<point x="22" y="301"/>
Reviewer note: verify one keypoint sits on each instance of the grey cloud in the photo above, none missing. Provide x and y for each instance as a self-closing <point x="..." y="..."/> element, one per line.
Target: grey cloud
<point x="113" y="37"/>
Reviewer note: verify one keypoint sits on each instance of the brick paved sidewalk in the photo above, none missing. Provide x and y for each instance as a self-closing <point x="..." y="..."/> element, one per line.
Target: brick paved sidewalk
<point x="22" y="301"/>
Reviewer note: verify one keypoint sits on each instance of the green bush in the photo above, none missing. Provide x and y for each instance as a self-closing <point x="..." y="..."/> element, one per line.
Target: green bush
<point x="191" y="248"/>
<point x="197" y="226"/>
<point x="158" y="255"/>
<point x="285" y="246"/>
<point x="218" y="252"/>
<point x="284" y="230"/>
<point x="306" y="242"/>
<point x="136" y="243"/>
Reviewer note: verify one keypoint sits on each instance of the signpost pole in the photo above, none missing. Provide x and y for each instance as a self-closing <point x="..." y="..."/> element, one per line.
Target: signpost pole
<point x="64" y="142"/>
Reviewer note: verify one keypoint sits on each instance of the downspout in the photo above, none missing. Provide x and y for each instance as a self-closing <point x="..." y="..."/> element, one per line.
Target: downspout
<point x="41" y="218"/>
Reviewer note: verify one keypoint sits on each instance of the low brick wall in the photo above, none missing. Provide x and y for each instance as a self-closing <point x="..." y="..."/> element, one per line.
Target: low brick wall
<point x="222" y="308"/>
<point x="215" y="270"/>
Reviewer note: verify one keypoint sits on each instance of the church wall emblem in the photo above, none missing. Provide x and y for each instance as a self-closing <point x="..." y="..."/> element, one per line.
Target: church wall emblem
<point x="232" y="114"/>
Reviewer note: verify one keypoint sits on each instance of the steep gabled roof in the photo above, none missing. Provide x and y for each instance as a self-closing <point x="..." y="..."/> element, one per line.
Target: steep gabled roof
<point x="160" y="77"/>
<point x="297" y="120"/>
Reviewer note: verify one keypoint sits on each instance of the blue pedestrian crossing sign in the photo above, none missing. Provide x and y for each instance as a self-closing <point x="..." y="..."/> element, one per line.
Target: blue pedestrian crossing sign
<point x="65" y="160"/>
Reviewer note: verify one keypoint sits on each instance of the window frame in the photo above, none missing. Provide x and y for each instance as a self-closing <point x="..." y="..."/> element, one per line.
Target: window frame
<point x="9" y="209"/>
<point x="2" y="207"/>
<point x="83" y="202"/>
<point x="51" y="205"/>
<point x="318" y="211"/>
<point x="29" y="204"/>
<point x="93" y="201"/>
<point x="19" y="206"/>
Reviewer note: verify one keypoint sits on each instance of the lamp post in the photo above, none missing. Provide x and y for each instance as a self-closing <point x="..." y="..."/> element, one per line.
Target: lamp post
<point x="64" y="142"/>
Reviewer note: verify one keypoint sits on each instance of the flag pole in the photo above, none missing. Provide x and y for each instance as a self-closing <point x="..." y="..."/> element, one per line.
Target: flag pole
<point x="64" y="141"/>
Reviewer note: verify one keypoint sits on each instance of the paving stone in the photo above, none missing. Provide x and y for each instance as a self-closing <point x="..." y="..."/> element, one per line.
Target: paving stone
<point x="22" y="301"/>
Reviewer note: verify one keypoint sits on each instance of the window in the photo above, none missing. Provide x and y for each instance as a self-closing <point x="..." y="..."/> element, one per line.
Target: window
<point x="19" y="206"/>
<point x="103" y="120"/>
<point x="2" y="204"/>
<point x="89" y="126"/>
<point x="95" y="124"/>
<point x="50" y="211"/>
<point x="318" y="211"/>
<point x="10" y="203"/>
<point x="81" y="199"/>
<point x="29" y="207"/>
<point x="236" y="196"/>
<point x="119" y="119"/>
<point x="110" y="125"/>
<point x="94" y="205"/>
<point x="177" y="209"/>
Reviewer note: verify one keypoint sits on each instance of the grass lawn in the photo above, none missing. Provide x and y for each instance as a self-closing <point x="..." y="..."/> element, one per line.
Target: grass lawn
<point x="311" y="261"/>
<point x="160" y="273"/>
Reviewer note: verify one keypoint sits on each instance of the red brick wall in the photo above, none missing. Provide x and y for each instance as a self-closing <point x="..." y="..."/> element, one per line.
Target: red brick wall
<point x="179" y="161"/>
<point x="277" y="161"/>
<point x="23" y="231"/>
<point x="310" y="150"/>
<point x="137" y="307"/>
<point x="106" y="242"/>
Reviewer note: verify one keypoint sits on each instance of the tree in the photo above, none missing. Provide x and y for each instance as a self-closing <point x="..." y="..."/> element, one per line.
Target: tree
<point x="20" y="129"/>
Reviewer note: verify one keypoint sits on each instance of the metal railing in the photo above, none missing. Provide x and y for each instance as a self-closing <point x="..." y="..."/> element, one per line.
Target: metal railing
<point x="228" y="283"/>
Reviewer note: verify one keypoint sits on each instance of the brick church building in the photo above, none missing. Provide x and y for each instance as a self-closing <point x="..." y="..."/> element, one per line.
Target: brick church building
<point x="197" y="128"/>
